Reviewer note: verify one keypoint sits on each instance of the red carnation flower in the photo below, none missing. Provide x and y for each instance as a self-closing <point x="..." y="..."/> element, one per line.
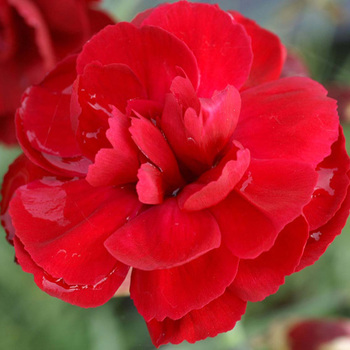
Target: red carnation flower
<point x="319" y="334"/>
<point x="34" y="35"/>
<point x="170" y="148"/>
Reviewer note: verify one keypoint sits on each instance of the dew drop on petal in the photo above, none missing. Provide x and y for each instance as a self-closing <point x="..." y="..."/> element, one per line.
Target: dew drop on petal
<point x="247" y="182"/>
<point x="324" y="180"/>
<point x="316" y="235"/>
<point x="98" y="107"/>
<point x="50" y="207"/>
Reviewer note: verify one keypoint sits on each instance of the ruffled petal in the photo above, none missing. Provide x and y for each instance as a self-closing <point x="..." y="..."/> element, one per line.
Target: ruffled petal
<point x="53" y="220"/>
<point x="150" y="185"/>
<point x="21" y="172"/>
<point x="44" y="117"/>
<point x="288" y="109"/>
<point x="175" y="292"/>
<point x="323" y="236"/>
<point x="100" y="89"/>
<point x="155" y="56"/>
<point x="153" y="145"/>
<point x="223" y="52"/>
<point x="80" y="295"/>
<point x="270" y="195"/>
<point x="260" y="277"/>
<point x="164" y="237"/>
<point x="45" y="114"/>
<point x="199" y="129"/>
<point x="112" y="168"/>
<point x="331" y="187"/>
<point x="218" y="316"/>
<point x="268" y="52"/>
<point x="215" y="184"/>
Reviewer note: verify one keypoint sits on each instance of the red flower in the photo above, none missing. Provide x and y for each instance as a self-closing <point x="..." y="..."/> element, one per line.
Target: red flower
<point x="34" y="35"/>
<point x="319" y="334"/>
<point x="170" y="147"/>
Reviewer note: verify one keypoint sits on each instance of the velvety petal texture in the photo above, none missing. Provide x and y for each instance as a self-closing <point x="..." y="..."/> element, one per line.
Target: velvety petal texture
<point x="168" y="159"/>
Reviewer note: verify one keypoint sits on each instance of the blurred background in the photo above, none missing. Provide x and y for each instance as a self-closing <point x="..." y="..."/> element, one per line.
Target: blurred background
<point x="317" y="32"/>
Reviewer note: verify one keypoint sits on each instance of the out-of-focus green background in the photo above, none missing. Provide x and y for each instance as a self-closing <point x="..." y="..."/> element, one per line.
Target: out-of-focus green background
<point x="319" y="31"/>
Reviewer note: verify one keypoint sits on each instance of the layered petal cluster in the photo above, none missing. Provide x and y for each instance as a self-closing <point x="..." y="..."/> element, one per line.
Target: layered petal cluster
<point x="35" y="34"/>
<point x="170" y="149"/>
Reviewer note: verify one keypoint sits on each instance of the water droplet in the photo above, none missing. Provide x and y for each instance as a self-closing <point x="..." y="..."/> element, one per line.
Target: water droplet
<point x="316" y="235"/>
<point x="176" y="192"/>
<point x="325" y="177"/>
<point x="191" y="139"/>
<point x="62" y="252"/>
<point x="92" y="135"/>
<point x="98" y="107"/>
<point x="46" y="203"/>
<point x="247" y="182"/>
<point x="33" y="139"/>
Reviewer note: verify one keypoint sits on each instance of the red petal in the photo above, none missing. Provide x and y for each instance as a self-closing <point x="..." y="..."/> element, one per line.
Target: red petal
<point x="67" y="16"/>
<point x="80" y="295"/>
<point x="185" y="94"/>
<point x="118" y="133"/>
<point x="331" y="187"/>
<point x="220" y="117"/>
<point x="218" y="316"/>
<point x="112" y="167"/>
<point x="153" y="145"/>
<point x="175" y="292"/>
<point x="152" y="54"/>
<point x="215" y="184"/>
<point x="63" y="226"/>
<point x="197" y="137"/>
<point x="318" y="334"/>
<point x="290" y="118"/>
<point x="100" y="89"/>
<point x="140" y="17"/>
<point x="173" y="127"/>
<point x="258" y="278"/>
<point x="274" y="193"/>
<point x="150" y="185"/>
<point x="44" y="117"/>
<point x="98" y="20"/>
<point x="221" y="46"/>
<point x="7" y="130"/>
<point x="117" y="165"/>
<point x="323" y="236"/>
<point x="33" y="18"/>
<point x="21" y="172"/>
<point x="17" y="73"/>
<point x="164" y="237"/>
<point x="268" y="52"/>
<point x="112" y="84"/>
